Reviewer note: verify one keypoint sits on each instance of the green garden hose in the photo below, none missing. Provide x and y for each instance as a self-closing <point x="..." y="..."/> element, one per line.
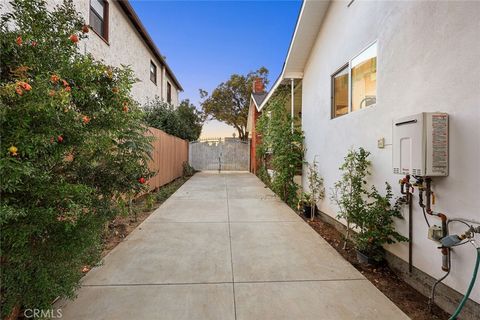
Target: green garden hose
<point x="470" y="287"/>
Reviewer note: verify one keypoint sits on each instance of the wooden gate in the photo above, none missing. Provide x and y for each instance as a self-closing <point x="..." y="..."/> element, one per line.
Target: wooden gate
<point x="224" y="154"/>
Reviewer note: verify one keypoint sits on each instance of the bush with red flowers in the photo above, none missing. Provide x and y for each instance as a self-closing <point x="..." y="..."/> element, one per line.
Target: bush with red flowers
<point x="68" y="152"/>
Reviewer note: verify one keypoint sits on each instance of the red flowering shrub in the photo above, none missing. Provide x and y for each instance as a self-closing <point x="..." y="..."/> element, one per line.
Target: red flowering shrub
<point x="68" y="151"/>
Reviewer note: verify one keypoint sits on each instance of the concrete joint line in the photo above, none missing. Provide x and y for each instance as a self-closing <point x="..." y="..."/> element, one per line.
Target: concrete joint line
<point x="231" y="253"/>
<point x="216" y="283"/>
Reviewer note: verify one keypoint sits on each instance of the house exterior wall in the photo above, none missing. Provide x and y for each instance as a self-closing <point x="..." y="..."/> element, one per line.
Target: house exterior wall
<point x="125" y="46"/>
<point x="175" y="100"/>
<point x="427" y="61"/>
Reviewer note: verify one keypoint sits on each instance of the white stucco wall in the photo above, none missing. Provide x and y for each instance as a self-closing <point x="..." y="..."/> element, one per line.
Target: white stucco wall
<point x="427" y="61"/>
<point x="125" y="46"/>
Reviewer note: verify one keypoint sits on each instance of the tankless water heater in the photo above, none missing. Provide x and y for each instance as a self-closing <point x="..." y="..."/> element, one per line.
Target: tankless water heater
<point x="420" y="144"/>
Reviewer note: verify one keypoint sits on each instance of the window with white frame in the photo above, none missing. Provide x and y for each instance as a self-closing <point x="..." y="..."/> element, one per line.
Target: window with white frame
<point x="354" y="86"/>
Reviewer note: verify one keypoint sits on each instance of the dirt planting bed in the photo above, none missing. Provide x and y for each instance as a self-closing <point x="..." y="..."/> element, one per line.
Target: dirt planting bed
<point x="409" y="300"/>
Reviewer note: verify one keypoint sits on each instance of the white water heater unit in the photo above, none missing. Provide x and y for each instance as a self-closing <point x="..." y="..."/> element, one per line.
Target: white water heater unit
<point x="420" y="144"/>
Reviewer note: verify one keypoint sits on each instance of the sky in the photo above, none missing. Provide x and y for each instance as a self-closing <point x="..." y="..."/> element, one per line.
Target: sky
<point x="207" y="41"/>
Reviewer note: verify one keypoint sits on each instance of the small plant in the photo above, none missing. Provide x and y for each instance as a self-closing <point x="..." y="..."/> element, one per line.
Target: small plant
<point x="150" y="201"/>
<point x="304" y="199"/>
<point x="350" y="191"/>
<point x="262" y="173"/>
<point x="376" y="224"/>
<point x="188" y="170"/>
<point x="315" y="185"/>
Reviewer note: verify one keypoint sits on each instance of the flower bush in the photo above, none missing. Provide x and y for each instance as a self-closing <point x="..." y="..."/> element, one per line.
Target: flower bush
<point x="72" y="143"/>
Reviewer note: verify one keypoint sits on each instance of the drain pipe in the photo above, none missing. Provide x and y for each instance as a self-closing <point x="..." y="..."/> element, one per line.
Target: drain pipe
<point x="405" y="188"/>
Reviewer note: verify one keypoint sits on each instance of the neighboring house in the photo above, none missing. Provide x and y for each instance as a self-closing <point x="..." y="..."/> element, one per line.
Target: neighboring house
<point x="118" y="37"/>
<point x="360" y="65"/>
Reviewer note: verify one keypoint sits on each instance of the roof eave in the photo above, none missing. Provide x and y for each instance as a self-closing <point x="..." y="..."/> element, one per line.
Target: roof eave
<point x="315" y="21"/>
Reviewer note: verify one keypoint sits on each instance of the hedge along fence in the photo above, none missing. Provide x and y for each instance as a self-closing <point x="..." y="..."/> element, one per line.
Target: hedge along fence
<point x="169" y="153"/>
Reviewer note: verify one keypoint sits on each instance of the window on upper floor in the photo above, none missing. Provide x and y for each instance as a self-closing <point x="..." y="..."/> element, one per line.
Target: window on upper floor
<point x="169" y="92"/>
<point x="153" y="72"/>
<point x="99" y="17"/>
<point x="354" y="86"/>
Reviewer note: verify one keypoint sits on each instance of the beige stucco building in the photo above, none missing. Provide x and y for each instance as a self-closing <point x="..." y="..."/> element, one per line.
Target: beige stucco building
<point x="118" y="37"/>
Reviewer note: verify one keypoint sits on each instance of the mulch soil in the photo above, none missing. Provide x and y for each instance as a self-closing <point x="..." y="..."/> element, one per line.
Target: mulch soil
<point x="410" y="301"/>
<point x="121" y="226"/>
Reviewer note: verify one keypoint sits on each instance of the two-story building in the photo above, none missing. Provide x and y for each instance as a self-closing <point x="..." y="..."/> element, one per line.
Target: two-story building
<point x="118" y="37"/>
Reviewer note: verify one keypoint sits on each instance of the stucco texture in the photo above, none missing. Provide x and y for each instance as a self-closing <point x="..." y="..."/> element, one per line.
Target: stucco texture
<point x="125" y="46"/>
<point x="427" y="61"/>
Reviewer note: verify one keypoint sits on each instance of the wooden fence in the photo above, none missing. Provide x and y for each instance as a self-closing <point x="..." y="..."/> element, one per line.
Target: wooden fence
<point x="169" y="153"/>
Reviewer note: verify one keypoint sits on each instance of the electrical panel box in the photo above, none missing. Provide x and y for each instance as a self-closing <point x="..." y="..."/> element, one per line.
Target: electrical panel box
<point x="420" y="144"/>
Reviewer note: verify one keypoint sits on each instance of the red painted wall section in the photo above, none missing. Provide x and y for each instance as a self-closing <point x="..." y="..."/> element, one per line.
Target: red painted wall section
<point x="254" y="143"/>
<point x="258" y="87"/>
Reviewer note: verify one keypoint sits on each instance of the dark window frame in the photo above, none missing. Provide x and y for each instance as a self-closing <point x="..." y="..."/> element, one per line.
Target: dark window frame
<point x="103" y="34"/>
<point x="332" y="90"/>
<point x="169" y="92"/>
<point x="156" y="72"/>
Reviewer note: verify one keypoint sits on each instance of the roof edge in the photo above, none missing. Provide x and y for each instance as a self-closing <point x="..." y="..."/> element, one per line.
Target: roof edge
<point x="295" y="75"/>
<point x="137" y="23"/>
<point x="280" y="77"/>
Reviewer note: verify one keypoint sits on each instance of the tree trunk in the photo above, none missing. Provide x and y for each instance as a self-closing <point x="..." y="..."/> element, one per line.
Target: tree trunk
<point x="13" y="315"/>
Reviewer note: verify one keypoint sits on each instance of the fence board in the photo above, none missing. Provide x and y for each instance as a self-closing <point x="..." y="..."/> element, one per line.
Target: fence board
<point x="168" y="154"/>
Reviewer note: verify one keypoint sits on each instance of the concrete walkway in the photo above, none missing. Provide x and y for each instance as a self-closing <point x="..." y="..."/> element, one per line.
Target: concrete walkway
<point x="223" y="247"/>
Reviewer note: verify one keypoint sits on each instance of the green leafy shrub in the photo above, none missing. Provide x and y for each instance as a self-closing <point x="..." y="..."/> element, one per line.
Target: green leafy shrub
<point x="368" y="212"/>
<point x="188" y="170"/>
<point x="350" y="191"/>
<point x="72" y="143"/>
<point x="376" y="226"/>
<point x="315" y="187"/>
<point x="184" y="121"/>
<point x="285" y="144"/>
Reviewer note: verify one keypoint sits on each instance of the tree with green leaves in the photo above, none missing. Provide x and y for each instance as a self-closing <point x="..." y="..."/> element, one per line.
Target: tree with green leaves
<point x="229" y="102"/>
<point x="184" y="121"/>
<point x="73" y="143"/>
<point x="350" y="191"/>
